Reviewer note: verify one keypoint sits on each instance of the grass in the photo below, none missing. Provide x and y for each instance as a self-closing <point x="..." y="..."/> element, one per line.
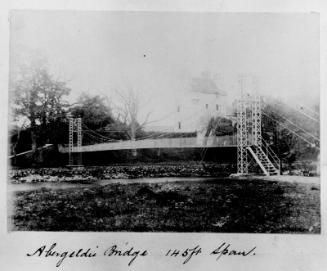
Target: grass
<point x="220" y="205"/>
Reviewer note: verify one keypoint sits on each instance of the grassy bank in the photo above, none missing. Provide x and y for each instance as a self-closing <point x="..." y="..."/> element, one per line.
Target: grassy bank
<point x="221" y="205"/>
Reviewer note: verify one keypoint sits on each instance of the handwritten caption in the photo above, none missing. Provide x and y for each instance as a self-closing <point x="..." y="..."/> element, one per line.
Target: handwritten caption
<point x="132" y="254"/>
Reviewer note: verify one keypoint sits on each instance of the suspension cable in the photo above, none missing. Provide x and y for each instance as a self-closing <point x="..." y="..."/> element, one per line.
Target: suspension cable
<point x="293" y="132"/>
<point x="316" y="115"/>
<point x="303" y="113"/>
<point x="308" y="133"/>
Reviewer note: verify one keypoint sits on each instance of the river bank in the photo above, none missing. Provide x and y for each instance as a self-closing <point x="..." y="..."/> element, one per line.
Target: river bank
<point x="90" y="174"/>
<point x="131" y="171"/>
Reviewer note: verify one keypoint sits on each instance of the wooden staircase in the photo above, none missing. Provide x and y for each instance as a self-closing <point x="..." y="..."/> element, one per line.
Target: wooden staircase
<point x="263" y="161"/>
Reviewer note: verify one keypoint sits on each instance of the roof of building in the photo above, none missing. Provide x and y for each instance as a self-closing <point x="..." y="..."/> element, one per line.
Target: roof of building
<point x="206" y="85"/>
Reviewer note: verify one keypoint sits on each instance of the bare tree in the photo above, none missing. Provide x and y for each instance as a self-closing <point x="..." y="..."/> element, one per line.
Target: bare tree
<point x="128" y="112"/>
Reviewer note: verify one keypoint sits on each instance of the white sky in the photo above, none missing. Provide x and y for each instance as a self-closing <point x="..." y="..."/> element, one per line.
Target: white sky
<point x="158" y="53"/>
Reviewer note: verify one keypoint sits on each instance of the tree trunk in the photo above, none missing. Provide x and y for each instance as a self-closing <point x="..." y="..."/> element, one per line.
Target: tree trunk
<point x="37" y="156"/>
<point x="33" y="136"/>
<point x="133" y="136"/>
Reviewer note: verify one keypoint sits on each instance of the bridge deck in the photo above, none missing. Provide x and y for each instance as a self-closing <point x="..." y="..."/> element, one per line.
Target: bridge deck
<point x="186" y="142"/>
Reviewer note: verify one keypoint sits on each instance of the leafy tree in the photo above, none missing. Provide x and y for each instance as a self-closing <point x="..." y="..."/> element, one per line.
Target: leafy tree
<point x="94" y="110"/>
<point x="220" y="126"/>
<point x="96" y="115"/>
<point x="38" y="97"/>
<point x="287" y="132"/>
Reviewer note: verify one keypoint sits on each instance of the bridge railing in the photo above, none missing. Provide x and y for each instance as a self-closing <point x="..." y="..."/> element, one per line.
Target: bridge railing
<point x="182" y="142"/>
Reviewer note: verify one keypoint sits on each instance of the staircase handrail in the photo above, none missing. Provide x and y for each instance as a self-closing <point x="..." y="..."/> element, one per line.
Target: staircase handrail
<point x="272" y="154"/>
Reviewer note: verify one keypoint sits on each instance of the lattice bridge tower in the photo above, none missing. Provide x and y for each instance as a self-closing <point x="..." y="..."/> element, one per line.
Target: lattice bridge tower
<point x="253" y="154"/>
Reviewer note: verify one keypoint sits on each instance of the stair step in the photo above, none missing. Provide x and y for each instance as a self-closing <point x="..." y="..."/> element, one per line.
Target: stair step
<point x="266" y="165"/>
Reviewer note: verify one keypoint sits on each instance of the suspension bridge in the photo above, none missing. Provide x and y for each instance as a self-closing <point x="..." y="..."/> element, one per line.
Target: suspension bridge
<point x="252" y="150"/>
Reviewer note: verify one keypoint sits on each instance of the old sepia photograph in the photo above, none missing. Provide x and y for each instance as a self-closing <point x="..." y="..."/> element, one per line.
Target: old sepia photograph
<point x="144" y="121"/>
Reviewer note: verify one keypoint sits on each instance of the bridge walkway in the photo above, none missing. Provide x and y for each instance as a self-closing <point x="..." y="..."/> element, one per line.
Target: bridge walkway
<point x="185" y="142"/>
